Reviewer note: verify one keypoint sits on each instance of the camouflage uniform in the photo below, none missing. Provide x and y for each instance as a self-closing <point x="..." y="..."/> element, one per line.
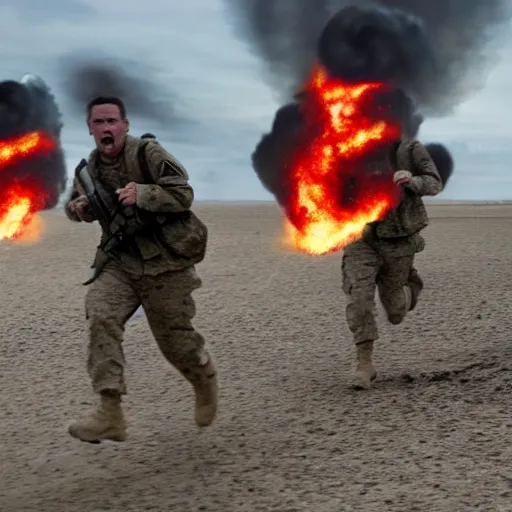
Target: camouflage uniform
<point x="155" y="268"/>
<point x="383" y="259"/>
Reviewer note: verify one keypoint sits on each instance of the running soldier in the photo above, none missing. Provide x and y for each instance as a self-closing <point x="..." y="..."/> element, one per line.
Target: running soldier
<point x="383" y="258"/>
<point x="153" y="265"/>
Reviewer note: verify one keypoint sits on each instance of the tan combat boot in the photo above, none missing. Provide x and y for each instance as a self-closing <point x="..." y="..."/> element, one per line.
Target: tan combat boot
<point x="102" y="424"/>
<point x="365" y="372"/>
<point x="204" y="380"/>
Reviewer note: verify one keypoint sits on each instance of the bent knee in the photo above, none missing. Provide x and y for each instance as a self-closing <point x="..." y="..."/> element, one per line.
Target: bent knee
<point x="394" y="303"/>
<point x="396" y="317"/>
<point x="180" y="345"/>
<point x="395" y="309"/>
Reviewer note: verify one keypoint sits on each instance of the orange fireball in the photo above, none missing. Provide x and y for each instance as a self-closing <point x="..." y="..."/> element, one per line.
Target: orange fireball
<point x="344" y="132"/>
<point x="23" y="146"/>
<point x="16" y="215"/>
<point x="19" y="202"/>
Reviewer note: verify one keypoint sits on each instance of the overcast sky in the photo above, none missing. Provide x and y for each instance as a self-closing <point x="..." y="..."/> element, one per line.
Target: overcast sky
<point x="192" y="48"/>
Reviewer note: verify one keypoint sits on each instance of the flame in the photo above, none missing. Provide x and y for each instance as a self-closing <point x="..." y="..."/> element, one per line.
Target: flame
<point x="343" y="136"/>
<point x="17" y="212"/>
<point x="32" y="231"/>
<point x="19" y="201"/>
<point x="18" y="220"/>
<point x="25" y="145"/>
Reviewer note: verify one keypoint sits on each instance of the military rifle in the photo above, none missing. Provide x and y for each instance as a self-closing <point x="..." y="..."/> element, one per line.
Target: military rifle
<point x="113" y="223"/>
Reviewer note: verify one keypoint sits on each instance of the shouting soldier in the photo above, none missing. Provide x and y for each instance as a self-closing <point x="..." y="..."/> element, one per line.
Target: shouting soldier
<point x="153" y="266"/>
<point x="383" y="258"/>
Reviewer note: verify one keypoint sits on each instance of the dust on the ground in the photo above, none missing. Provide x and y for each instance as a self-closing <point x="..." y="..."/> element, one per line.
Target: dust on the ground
<point x="434" y="435"/>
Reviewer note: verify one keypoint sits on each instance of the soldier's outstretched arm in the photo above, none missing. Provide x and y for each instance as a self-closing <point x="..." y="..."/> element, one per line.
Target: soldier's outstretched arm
<point x="171" y="191"/>
<point x="427" y="180"/>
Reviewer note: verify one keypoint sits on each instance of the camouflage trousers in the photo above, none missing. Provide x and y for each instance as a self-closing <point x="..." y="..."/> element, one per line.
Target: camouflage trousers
<point x="383" y="265"/>
<point x="169" y="307"/>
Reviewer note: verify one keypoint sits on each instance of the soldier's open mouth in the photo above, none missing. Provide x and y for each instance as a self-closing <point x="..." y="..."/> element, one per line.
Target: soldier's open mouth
<point x="107" y="141"/>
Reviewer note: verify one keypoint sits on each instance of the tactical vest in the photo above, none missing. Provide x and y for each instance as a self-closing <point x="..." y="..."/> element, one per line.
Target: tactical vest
<point x="182" y="235"/>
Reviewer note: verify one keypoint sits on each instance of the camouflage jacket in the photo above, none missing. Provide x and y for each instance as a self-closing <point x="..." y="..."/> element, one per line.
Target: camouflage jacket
<point x="167" y="235"/>
<point x="410" y="216"/>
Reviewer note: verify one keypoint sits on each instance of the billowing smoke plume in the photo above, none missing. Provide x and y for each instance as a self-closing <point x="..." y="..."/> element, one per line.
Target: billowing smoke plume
<point x="434" y="53"/>
<point x="442" y="158"/>
<point x="28" y="107"/>
<point x="460" y="33"/>
<point x="87" y="75"/>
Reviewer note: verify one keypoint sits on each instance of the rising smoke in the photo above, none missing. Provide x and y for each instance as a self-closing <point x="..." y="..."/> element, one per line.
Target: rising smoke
<point x="86" y="75"/>
<point x="28" y="106"/>
<point x="285" y="34"/>
<point x="435" y="53"/>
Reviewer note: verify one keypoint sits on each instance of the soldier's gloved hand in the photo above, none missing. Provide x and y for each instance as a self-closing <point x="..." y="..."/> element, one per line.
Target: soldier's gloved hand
<point x="402" y="177"/>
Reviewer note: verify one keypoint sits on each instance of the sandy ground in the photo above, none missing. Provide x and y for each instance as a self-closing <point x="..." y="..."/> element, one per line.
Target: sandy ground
<point x="434" y="435"/>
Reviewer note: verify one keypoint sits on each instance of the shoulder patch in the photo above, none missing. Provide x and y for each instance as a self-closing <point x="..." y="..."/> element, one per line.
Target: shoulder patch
<point x="172" y="167"/>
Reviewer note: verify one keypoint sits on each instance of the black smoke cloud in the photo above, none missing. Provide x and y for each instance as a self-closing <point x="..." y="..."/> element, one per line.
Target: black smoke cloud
<point x="88" y="74"/>
<point x="27" y="106"/>
<point x="435" y="54"/>
<point x="377" y="45"/>
<point x="462" y="36"/>
<point x="442" y="158"/>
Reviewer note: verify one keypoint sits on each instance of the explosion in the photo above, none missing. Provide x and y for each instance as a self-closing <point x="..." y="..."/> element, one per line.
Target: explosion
<point x="385" y="66"/>
<point x="32" y="165"/>
<point x="321" y="221"/>
<point x="21" y="147"/>
<point x="21" y="196"/>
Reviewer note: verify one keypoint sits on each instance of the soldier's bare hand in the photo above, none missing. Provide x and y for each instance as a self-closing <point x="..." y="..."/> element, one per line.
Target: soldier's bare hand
<point x="79" y="207"/>
<point x="402" y="177"/>
<point x="78" y="203"/>
<point x="128" y="194"/>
